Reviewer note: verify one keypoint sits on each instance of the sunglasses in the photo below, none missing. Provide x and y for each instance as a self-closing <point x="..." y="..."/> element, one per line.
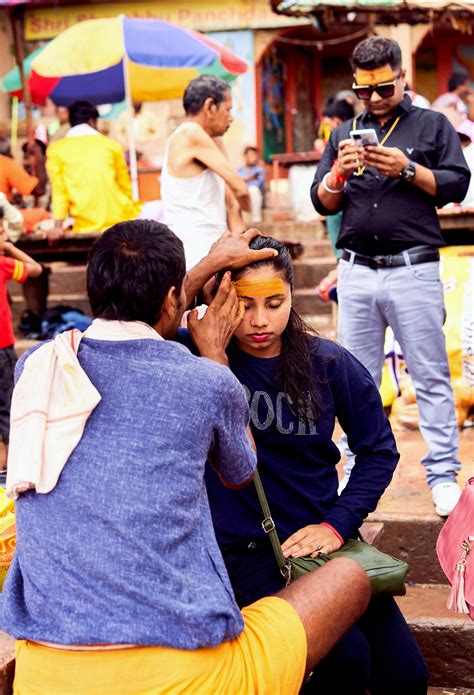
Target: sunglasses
<point x="385" y="90"/>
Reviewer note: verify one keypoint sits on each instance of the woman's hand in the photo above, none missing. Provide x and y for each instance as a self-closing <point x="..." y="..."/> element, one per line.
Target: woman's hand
<point x="213" y="332"/>
<point x="311" y="540"/>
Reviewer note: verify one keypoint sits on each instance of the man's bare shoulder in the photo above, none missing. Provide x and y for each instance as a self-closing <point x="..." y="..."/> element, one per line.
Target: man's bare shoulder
<point x="191" y="133"/>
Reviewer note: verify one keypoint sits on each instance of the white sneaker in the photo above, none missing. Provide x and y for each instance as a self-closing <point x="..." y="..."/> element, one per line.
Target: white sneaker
<point x="445" y="497"/>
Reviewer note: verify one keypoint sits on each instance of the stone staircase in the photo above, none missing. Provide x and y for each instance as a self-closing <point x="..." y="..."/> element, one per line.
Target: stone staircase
<point x="407" y="527"/>
<point x="404" y="523"/>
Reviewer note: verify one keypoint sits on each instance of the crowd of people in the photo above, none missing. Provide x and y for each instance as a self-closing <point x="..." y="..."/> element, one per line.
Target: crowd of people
<point x="142" y="564"/>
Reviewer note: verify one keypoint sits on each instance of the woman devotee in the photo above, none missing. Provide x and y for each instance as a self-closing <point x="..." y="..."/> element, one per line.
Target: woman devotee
<point x="297" y="384"/>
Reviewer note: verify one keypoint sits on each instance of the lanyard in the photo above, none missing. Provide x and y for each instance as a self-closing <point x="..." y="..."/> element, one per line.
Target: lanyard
<point x="361" y="170"/>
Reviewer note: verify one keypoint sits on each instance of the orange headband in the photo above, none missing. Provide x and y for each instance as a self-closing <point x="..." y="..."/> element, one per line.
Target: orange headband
<point x="370" y="77"/>
<point x="259" y="288"/>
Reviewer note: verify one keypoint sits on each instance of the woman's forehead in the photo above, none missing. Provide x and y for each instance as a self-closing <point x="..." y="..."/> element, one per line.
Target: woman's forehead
<point x="261" y="284"/>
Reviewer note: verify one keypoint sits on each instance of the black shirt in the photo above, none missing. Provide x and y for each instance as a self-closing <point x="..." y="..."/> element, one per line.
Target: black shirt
<point x="385" y="215"/>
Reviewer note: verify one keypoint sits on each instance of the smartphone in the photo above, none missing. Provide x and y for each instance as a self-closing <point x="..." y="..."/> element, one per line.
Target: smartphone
<point x="364" y="137"/>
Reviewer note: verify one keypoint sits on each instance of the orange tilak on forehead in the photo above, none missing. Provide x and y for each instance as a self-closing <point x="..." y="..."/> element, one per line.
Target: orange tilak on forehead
<point x="369" y="77"/>
<point x="259" y="288"/>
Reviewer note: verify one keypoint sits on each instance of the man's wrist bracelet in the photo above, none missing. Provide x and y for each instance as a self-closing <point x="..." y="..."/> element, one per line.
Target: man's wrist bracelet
<point x="336" y="191"/>
<point x="338" y="177"/>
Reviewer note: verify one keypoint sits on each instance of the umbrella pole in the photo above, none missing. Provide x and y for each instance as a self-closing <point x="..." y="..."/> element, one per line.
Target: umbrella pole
<point x="16" y="28"/>
<point x="14" y="124"/>
<point x="132" y="150"/>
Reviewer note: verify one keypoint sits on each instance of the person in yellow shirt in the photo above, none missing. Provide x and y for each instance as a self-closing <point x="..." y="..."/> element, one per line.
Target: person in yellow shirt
<point x="89" y="177"/>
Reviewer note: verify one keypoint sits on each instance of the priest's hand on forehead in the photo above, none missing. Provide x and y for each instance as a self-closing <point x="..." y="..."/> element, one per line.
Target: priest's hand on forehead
<point x="213" y="332"/>
<point x="232" y="250"/>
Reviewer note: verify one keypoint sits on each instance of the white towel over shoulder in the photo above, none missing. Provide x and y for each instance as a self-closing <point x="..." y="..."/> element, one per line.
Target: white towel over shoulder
<point x="51" y="403"/>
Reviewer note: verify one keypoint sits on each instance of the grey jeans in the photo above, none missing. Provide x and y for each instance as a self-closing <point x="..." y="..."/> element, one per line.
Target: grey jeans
<point x="410" y="300"/>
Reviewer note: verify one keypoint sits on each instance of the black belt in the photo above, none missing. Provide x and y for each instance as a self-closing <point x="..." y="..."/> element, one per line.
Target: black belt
<point x="418" y="254"/>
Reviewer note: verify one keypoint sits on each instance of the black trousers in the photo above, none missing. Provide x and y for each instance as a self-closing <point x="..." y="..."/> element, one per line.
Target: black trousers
<point x="378" y="654"/>
<point x="7" y="372"/>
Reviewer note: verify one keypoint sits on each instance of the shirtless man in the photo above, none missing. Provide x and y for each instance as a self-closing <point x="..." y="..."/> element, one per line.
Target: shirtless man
<point x="202" y="195"/>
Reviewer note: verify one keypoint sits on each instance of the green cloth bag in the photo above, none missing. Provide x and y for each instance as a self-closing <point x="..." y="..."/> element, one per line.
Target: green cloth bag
<point x="387" y="574"/>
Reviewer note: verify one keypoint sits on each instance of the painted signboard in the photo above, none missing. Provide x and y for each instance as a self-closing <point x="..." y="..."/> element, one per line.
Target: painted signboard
<point x="201" y="15"/>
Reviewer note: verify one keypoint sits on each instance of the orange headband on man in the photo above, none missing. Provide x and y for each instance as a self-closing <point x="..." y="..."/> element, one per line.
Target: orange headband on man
<point x="259" y="288"/>
<point x="376" y="76"/>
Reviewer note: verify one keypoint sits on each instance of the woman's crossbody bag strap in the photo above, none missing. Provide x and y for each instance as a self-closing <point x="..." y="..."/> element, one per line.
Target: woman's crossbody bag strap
<point x="268" y="526"/>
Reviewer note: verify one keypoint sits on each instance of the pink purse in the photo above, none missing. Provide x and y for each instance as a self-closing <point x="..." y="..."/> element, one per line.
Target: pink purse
<point x="455" y="548"/>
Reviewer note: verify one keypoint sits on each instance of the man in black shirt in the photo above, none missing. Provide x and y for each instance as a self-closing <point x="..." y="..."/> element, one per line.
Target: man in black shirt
<point x="389" y="271"/>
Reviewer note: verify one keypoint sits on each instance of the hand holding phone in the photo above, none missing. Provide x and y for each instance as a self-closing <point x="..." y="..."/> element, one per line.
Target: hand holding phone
<point x="350" y="157"/>
<point x="389" y="161"/>
<point x="365" y="137"/>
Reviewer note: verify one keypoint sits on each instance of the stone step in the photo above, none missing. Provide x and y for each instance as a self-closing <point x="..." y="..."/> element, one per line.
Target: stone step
<point x="308" y="303"/>
<point x="310" y="271"/>
<point x="414" y="540"/>
<point x="64" y="279"/>
<point x="76" y="301"/>
<point x="446" y="639"/>
<point x="294" y="231"/>
<point x="316" y="248"/>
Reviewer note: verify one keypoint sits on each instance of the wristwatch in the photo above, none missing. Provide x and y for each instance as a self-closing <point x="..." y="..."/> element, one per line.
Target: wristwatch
<point x="409" y="172"/>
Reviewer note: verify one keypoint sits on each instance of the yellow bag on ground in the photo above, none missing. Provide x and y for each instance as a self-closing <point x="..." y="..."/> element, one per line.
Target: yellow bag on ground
<point x="7" y="534"/>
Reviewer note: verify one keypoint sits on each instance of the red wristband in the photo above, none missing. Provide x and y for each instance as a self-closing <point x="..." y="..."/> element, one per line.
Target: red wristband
<point x="338" y="178"/>
<point x="324" y="523"/>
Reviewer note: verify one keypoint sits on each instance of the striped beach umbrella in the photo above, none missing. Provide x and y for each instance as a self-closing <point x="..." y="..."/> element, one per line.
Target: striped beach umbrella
<point x="11" y="81"/>
<point x="95" y="59"/>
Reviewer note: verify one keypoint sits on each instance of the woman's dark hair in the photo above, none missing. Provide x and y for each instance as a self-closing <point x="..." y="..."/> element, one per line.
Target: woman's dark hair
<point x="130" y="270"/>
<point x="457" y="79"/>
<point x="374" y="52"/>
<point x="295" y="375"/>
<point x="82" y="112"/>
<point x="202" y="88"/>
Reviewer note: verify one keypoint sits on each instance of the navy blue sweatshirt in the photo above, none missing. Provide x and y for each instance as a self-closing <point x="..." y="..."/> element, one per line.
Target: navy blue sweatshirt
<point x="297" y="461"/>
